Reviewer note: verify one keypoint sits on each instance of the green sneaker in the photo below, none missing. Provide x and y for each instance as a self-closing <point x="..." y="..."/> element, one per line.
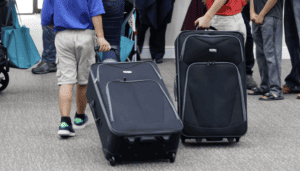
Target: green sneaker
<point x="79" y="123"/>
<point x="66" y="130"/>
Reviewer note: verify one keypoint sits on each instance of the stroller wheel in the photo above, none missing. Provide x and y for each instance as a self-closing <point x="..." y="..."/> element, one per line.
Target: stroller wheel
<point x="3" y="80"/>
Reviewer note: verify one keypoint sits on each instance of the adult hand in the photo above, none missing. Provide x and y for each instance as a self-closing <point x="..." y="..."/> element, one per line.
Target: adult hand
<point x="259" y="20"/>
<point x="104" y="45"/>
<point x="203" y="22"/>
<point x="253" y="16"/>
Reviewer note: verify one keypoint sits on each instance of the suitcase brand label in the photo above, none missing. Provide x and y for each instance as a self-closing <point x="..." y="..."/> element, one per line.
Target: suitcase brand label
<point x="213" y="50"/>
<point x="127" y="72"/>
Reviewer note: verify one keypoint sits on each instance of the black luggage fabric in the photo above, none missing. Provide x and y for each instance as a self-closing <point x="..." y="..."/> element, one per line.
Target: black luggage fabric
<point x="211" y="89"/>
<point x="133" y="111"/>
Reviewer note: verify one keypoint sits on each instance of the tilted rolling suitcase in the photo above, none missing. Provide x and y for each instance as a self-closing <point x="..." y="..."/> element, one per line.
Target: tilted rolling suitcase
<point x="133" y="111"/>
<point x="210" y="80"/>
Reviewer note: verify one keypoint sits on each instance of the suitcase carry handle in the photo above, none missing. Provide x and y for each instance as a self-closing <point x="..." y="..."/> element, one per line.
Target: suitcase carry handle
<point x="211" y="27"/>
<point x="146" y="140"/>
<point x="114" y="48"/>
<point x="92" y="105"/>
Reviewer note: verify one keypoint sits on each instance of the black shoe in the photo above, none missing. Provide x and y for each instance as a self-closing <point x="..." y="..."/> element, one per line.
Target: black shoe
<point x="52" y="67"/>
<point x="158" y="61"/>
<point x="79" y="123"/>
<point x="66" y="130"/>
<point x="44" y="68"/>
<point x="250" y="82"/>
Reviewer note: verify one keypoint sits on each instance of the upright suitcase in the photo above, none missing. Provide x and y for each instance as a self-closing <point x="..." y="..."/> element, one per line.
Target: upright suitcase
<point x="210" y="67"/>
<point x="133" y="112"/>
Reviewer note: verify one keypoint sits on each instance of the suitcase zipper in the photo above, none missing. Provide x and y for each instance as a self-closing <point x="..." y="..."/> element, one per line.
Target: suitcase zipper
<point x="208" y="63"/>
<point x="133" y="81"/>
<point x="109" y="103"/>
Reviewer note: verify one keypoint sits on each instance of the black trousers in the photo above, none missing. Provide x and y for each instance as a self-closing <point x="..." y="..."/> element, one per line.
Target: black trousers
<point x="249" y="42"/>
<point x="292" y="39"/>
<point x="157" y="40"/>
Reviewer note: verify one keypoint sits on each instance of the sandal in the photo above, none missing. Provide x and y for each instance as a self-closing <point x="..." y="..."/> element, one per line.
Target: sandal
<point x="271" y="97"/>
<point x="255" y="91"/>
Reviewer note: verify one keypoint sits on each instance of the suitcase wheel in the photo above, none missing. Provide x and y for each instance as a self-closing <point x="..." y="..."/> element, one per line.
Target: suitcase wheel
<point x="112" y="161"/>
<point x="230" y="140"/>
<point x="172" y="157"/>
<point x="237" y="139"/>
<point x="3" y="80"/>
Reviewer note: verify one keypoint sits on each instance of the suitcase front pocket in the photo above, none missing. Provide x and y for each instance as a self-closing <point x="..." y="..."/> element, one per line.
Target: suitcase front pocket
<point x="137" y="106"/>
<point x="213" y="96"/>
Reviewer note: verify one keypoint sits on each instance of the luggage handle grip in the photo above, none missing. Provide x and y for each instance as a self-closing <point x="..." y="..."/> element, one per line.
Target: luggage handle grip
<point x="92" y="105"/>
<point x="114" y="48"/>
<point x="211" y="27"/>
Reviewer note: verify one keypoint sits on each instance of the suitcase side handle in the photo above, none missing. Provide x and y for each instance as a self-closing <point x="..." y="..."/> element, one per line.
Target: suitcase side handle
<point x="92" y="106"/>
<point x="147" y="139"/>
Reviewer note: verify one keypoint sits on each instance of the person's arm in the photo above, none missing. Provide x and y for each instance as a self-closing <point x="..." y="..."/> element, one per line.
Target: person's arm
<point x="47" y="13"/>
<point x="96" y="9"/>
<point x="104" y="45"/>
<point x="253" y="14"/>
<point x="269" y="5"/>
<point x="204" y="22"/>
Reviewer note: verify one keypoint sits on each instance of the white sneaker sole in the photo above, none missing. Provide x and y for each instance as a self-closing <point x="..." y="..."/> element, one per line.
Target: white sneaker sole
<point x="79" y="127"/>
<point x="65" y="133"/>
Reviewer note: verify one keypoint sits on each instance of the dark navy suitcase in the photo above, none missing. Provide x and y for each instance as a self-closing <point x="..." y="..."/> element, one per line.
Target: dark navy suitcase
<point x="210" y="85"/>
<point x="133" y="111"/>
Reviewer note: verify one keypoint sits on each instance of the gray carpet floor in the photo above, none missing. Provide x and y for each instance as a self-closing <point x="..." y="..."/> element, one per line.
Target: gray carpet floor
<point x="29" y="120"/>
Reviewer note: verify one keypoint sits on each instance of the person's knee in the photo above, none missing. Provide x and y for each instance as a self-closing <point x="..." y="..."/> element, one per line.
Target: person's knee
<point x="65" y="92"/>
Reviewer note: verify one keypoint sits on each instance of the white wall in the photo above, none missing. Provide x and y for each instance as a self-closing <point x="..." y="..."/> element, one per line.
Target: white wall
<point x="25" y="6"/>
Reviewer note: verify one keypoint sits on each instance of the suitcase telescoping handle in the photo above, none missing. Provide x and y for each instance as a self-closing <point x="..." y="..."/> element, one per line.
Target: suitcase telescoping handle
<point x="114" y="48"/>
<point x="211" y="27"/>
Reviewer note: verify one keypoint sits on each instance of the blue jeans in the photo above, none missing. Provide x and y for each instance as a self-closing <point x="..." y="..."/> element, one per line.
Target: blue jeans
<point x="268" y="39"/>
<point x="49" y="52"/>
<point x="292" y="39"/>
